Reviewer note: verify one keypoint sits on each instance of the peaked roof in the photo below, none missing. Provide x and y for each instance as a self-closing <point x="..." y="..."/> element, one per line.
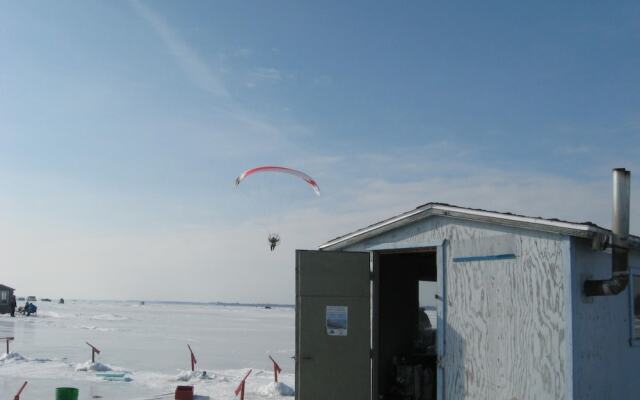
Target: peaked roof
<point x="6" y="287"/>
<point x="578" y="229"/>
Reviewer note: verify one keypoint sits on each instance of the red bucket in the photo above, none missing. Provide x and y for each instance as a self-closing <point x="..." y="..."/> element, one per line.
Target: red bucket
<point x="184" y="393"/>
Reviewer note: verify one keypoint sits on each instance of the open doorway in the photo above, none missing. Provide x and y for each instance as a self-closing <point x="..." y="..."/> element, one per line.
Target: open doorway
<point x="404" y="325"/>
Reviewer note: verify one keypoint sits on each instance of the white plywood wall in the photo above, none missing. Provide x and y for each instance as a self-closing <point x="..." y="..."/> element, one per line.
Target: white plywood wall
<point x="606" y="366"/>
<point x="506" y="326"/>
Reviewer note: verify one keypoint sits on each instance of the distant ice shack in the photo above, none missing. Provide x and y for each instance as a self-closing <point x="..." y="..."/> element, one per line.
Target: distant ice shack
<point x="6" y="293"/>
<point x="527" y="308"/>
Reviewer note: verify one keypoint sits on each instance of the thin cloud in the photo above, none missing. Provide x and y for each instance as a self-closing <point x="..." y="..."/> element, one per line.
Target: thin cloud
<point x="186" y="57"/>
<point x="267" y="74"/>
<point x="242" y="52"/>
<point x="259" y="75"/>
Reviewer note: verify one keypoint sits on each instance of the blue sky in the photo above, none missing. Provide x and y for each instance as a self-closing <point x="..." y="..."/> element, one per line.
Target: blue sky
<point x="123" y="125"/>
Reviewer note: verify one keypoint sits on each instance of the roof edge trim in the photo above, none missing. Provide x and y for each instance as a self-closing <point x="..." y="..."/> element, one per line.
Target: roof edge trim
<point x="430" y="209"/>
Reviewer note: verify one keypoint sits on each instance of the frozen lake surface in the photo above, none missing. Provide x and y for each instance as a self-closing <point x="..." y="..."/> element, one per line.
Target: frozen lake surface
<point x="149" y="343"/>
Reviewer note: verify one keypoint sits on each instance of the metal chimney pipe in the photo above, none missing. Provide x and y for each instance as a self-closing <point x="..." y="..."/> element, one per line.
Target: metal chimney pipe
<point x="619" y="240"/>
<point x="621" y="204"/>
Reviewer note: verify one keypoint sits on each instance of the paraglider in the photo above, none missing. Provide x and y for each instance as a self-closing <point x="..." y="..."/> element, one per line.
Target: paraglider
<point x="274" y="238"/>
<point x="270" y="168"/>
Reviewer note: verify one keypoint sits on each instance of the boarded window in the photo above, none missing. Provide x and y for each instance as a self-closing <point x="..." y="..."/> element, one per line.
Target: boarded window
<point x="636" y="306"/>
<point x="4" y="297"/>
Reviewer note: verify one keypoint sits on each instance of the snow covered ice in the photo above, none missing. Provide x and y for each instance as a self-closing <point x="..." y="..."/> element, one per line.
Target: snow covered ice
<point x="93" y="366"/>
<point x="276" y="389"/>
<point x="144" y="350"/>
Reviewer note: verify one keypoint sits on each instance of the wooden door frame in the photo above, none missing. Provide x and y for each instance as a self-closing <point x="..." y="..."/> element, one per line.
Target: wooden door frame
<point x="437" y="248"/>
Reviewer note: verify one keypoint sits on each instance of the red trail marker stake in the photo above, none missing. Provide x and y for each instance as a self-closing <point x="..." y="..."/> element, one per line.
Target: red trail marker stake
<point x="193" y="359"/>
<point x="17" y="396"/>
<point x="94" y="350"/>
<point x="276" y="369"/>
<point x="8" y="339"/>
<point x="240" y="389"/>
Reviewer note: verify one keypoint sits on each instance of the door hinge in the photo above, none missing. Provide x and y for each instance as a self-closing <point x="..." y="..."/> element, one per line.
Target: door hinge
<point x="371" y="353"/>
<point x="371" y="276"/>
<point x="441" y="361"/>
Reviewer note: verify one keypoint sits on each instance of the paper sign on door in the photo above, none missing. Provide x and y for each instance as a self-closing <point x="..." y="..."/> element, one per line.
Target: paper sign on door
<point x="337" y="320"/>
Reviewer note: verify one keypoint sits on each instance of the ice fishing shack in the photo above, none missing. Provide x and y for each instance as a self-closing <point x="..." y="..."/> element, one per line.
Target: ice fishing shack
<point x="6" y="293"/>
<point x="527" y="308"/>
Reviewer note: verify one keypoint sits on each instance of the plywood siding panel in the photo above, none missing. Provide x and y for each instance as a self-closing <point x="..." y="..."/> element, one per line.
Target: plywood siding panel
<point x="605" y="364"/>
<point x="505" y="331"/>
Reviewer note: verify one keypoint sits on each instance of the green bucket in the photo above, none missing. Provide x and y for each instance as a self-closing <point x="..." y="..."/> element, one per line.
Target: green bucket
<point x="66" y="393"/>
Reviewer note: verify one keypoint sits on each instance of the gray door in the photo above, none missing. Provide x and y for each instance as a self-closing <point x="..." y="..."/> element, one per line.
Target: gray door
<point x="333" y="356"/>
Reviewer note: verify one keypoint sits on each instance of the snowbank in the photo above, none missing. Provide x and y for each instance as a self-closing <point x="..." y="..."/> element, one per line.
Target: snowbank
<point x="93" y="366"/>
<point x="186" y="376"/>
<point x="274" y="389"/>
<point x="12" y="357"/>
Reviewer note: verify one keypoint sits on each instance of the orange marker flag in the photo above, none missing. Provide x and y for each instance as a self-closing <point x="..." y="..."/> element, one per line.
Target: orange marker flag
<point x="240" y="389"/>
<point x="276" y="369"/>
<point x="193" y="359"/>
<point x="17" y="396"/>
